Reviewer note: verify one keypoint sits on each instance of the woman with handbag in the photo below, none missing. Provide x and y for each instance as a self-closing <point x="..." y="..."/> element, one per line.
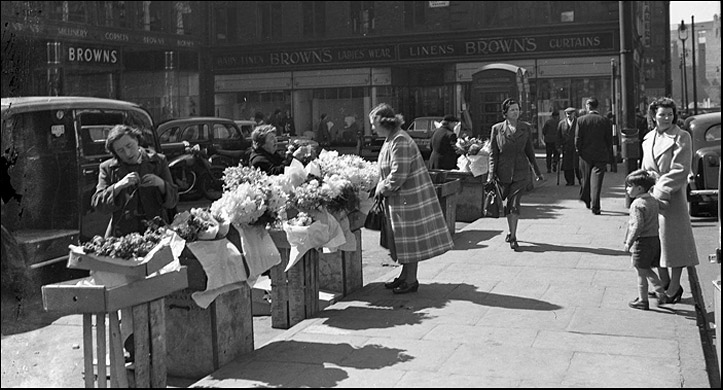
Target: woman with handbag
<point x="416" y="226"/>
<point x="511" y="157"/>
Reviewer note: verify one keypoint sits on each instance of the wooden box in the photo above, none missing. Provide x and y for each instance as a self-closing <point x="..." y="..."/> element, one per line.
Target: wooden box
<point x="69" y="297"/>
<point x="200" y="341"/>
<point x="470" y="198"/>
<point x="341" y="271"/>
<point x="158" y="258"/>
<point x="447" y="194"/>
<point x="294" y="294"/>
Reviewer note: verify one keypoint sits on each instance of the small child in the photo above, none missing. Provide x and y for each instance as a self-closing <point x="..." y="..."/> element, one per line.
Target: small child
<point x="641" y="237"/>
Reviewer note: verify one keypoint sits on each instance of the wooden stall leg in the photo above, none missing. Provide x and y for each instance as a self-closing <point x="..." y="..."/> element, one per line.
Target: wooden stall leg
<point x="280" y="293"/>
<point x="100" y="346"/>
<point x="118" y="375"/>
<point x="88" y="350"/>
<point x="158" y="343"/>
<point x="141" y="337"/>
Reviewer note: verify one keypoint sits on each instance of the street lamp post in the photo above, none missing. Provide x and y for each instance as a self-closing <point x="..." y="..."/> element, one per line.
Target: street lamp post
<point x="683" y="35"/>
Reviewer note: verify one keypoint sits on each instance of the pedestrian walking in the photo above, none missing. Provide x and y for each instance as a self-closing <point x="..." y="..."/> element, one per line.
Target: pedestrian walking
<point x="667" y="151"/>
<point x="594" y="145"/>
<point x="418" y="226"/>
<point x="570" y="162"/>
<point x="550" y="136"/>
<point x="443" y="141"/>
<point x="322" y="132"/>
<point x="641" y="237"/>
<point x="511" y="157"/>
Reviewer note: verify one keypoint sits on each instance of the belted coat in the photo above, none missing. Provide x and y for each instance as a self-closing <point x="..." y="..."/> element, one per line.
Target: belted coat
<point x="671" y="159"/>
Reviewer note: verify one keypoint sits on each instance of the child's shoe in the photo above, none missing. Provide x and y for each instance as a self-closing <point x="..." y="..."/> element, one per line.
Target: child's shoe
<point x="640" y="305"/>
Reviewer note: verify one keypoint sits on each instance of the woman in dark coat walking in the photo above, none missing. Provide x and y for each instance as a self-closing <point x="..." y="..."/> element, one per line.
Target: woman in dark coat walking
<point x="510" y="161"/>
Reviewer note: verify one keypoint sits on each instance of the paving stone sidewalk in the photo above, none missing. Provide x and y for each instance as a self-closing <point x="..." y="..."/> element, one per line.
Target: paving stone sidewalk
<point x="553" y="314"/>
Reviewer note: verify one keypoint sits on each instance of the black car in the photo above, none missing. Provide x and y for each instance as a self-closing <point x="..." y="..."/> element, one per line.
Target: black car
<point x="214" y="135"/>
<point x="704" y="130"/>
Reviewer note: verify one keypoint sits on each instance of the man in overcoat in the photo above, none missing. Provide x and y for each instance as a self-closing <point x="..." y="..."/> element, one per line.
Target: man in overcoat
<point x="444" y="154"/>
<point x="570" y="164"/>
<point x="594" y="145"/>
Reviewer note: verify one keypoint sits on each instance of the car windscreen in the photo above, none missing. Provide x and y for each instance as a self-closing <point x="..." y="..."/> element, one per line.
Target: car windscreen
<point x="96" y="124"/>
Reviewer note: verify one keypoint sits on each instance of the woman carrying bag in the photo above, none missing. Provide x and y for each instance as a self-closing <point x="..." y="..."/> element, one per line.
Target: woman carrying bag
<point x="412" y="209"/>
<point x="511" y="157"/>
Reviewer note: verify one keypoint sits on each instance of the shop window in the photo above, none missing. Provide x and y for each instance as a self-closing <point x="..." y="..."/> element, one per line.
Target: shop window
<point x="157" y="10"/>
<point x="269" y="20"/>
<point x="314" y="15"/>
<point x="414" y="14"/>
<point x="362" y="17"/>
<point x="225" y="24"/>
<point x="59" y="10"/>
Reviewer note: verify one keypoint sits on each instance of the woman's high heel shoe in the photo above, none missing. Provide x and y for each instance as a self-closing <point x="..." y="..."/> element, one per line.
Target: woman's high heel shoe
<point x="394" y="283"/>
<point x="677" y="296"/>
<point x="513" y="244"/>
<point x="406" y="288"/>
<point x="507" y="238"/>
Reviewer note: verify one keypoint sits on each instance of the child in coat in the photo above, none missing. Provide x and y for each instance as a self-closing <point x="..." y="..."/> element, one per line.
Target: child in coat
<point x="641" y="237"/>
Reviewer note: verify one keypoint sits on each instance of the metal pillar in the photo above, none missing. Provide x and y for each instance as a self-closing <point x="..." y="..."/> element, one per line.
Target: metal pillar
<point x="693" y="44"/>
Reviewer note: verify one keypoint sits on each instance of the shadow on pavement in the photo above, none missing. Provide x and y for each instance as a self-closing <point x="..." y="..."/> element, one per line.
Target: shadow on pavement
<point x="26" y="315"/>
<point x="471" y="239"/>
<point x="307" y="362"/>
<point x="538" y="247"/>
<point x="389" y="311"/>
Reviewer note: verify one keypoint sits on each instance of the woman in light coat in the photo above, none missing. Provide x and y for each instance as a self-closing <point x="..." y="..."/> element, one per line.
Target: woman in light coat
<point x="418" y="225"/>
<point x="667" y="150"/>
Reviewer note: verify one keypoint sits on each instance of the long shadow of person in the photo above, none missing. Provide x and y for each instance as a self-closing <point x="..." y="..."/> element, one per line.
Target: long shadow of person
<point x="539" y="247"/>
<point x="304" y="364"/>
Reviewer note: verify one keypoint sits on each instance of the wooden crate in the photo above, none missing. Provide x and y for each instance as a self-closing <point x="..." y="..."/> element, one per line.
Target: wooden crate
<point x="470" y="198"/>
<point x="69" y="297"/>
<point x="156" y="259"/>
<point x="341" y="271"/>
<point x="447" y="194"/>
<point x="294" y="294"/>
<point x="200" y="341"/>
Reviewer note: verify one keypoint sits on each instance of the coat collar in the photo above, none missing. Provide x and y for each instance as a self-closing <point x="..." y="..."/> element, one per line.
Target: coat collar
<point x="147" y="155"/>
<point x="665" y="141"/>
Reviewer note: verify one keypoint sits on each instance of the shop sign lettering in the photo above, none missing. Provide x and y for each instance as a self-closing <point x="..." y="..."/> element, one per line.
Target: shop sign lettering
<point x="154" y="40"/>
<point x="114" y="36"/>
<point x="73" y="32"/>
<point x="300" y="57"/>
<point x="88" y="55"/>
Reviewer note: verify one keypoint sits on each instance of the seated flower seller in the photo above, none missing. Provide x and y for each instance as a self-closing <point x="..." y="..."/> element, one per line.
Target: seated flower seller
<point x="264" y="155"/>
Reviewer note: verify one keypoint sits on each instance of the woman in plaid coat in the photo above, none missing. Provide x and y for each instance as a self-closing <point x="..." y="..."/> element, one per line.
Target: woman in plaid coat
<point x="418" y="225"/>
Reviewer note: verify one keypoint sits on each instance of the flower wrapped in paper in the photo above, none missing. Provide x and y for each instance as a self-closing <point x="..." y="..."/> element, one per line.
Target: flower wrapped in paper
<point x="312" y="230"/>
<point x="362" y="174"/>
<point x="474" y="156"/>
<point x="199" y="224"/>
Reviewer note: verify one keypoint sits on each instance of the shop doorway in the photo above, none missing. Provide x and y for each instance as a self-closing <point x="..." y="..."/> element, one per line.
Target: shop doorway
<point x="490" y="87"/>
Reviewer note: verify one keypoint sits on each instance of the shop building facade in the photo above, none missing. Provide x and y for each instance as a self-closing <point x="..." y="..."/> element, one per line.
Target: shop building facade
<point x="424" y="58"/>
<point x="141" y="51"/>
<point x="308" y="58"/>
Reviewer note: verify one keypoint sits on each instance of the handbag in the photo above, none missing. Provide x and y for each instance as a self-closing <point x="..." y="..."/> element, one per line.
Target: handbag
<point x="492" y="207"/>
<point x="375" y="218"/>
<point x="386" y="238"/>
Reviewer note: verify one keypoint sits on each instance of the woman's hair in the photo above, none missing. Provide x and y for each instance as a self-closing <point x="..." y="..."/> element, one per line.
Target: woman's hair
<point x="117" y="132"/>
<point x="507" y="103"/>
<point x="258" y="136"/>
<point x="387" y="117"/>
<point x="643" y="178"/>
<point x="664" y="102"/>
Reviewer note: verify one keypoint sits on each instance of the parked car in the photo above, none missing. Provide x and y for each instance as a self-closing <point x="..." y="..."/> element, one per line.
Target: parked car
<point x="212" y="134"/>
<point x="703" y="181"/>
<point x="421" y="130"/>
<point x="52" y="148"/>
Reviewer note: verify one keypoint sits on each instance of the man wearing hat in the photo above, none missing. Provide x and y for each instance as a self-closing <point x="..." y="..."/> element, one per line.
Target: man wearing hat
<point x="444" y="154"/>
<point x="549" y="133"/>
<point x="594" y="145"/>
<point x="570" y="164"/>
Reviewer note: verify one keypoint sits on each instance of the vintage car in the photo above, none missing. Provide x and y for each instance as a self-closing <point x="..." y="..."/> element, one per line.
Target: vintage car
<point x="52" y="148"/>
<point x="215" y="136"/>
<point x="421" y="130"/>
<point x="704" y="177"/>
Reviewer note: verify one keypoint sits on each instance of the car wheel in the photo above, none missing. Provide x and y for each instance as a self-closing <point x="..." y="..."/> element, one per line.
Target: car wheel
<point x="212" y="184"/>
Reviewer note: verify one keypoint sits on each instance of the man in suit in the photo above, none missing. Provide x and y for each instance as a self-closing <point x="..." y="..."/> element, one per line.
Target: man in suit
<point x="549" y="132"/>
<point x="444" y="154"/>
<point x="570" y="165"/>
<point x="594" y="145"/>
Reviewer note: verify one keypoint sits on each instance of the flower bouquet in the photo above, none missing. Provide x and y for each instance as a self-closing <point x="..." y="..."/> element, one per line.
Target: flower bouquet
<point x="362" y="174"/>
<point x="311" y="230"/>
<point x="474" y="155"/>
